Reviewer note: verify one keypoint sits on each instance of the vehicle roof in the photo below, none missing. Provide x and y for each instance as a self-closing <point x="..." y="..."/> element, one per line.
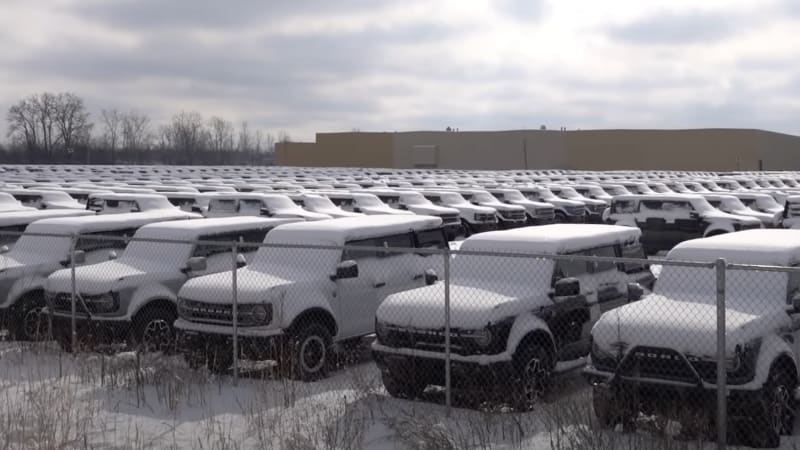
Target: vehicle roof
<point x="673" y="197"/>
<point x="24" y="217"/>
<point x="339" y="231"/>
<point x="761" y="247"/>
<point x="552" y="239"/>
<point x="91" y="224"/>
<point x="193" y="228"/>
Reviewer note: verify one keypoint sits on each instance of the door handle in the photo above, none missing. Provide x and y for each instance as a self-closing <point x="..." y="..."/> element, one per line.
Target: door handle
<point x="418" y="277"/>
<point x="379" y="285"/>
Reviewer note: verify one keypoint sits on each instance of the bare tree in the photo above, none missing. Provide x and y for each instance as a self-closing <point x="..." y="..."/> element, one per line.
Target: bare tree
<point x="187" y="133"/>
<point x="45" y="106"/>
<point x="136" y="133"/>
<point x="23" y="124"/>
<point x="111" y="130"/>
<point x="245" y="138"/>
<point x="72" y="121"/>
<point x="221" y="136"/>
<point x="283" y="136"/>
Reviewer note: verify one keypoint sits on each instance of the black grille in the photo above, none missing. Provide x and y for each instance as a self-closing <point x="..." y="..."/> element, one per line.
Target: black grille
<point x="63" y="302"/>
<point x="659" y="363"/>
<point x="450" y="218"/>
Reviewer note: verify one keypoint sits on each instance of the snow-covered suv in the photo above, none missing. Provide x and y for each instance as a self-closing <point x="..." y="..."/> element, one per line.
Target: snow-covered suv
<point x="538" y="213"/>
<point x="566" y="211"/>
<point x="45" y="248"/>
<point x="666" y="220"/>
<point x="258" y="204"/>
<point x="368" y="204"/>
<point x="132" y="299"/>
<point x="12" y="224"/>
<point x="415" y="202"/>
<point x="514" y="320"/>
<point x="659" y="354"/>
<point x="295" y="302"/>
<point x="474" y="218"/>
<point x="508" y="215"/>
<point x="731" y="204"/>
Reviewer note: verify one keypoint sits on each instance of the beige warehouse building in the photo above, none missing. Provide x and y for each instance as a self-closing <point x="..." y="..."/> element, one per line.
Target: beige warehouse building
<point x="696" y="149"/>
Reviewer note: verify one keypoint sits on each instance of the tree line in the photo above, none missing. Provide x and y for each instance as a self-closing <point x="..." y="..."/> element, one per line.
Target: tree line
<point x="57" y="128"/>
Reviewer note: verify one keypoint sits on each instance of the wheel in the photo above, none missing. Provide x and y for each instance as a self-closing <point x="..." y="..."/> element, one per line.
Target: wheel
<point x="31" y="323"/>
<point x="154" y="330"/>
<point x="405" y="389"/>
<point x="774" y="414"/>
<point x="560" y="217"/>
<point x="308" y="351"/>
<point x="532" y="377"/>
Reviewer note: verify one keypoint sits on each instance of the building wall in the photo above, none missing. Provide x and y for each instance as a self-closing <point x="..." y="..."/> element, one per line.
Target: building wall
<point x="698" y="149"/>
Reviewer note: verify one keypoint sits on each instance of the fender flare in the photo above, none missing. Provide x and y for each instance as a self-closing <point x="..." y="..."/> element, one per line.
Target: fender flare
<point x="146" y="294"/>
<point x="717" y="226"/>
<point x="524" y="325"/>
<point x="23" y="286"/>
<point x="290" y="309"/>
<point x="772" y="348"/>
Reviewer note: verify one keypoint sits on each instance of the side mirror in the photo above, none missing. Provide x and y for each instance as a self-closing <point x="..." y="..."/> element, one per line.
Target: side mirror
<point x="694" y="215"/>
<point x="345" y="270"/>
<point x="567" y="287"/>
<point x="265" y="212"/>
<point x="197" y="209"/>
<point x="112" y="255"/>
<point x="79" y="257"/>
<point x="431" y="277"/>
<point x="635" y="292"/>
<point x="241" y="261"/>
<point x="196" y="264"/>
<point x="4" y="249"/>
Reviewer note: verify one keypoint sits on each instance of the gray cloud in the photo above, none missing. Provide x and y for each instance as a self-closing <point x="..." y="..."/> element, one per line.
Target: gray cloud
<point x="678" y="28"/>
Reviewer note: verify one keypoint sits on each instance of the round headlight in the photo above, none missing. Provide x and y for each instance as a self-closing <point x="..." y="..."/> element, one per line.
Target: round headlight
<point x="483" y="337"/>
<point x="259" y="314"/>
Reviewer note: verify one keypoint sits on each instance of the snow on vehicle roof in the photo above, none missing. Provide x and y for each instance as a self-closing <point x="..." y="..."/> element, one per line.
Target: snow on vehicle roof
<point x="667" y="197"/>
<point x="92" y="224"/>
<point x="12" y="218"/>
<point x="768" y="247"/>
<point x="553" y="239"/>
<point x="193" y="228"/>
<point x="339" y="231"/>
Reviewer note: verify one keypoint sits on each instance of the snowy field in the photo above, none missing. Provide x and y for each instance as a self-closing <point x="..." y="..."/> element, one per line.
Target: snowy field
<point x="53" y="400"/>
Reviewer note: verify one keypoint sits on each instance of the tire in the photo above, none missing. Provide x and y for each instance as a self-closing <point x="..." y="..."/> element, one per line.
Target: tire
<point x="29" y="324"/>
<point x="532" y="370"/>
<point x="308" y="353"/>
<point x="560" y="217"/>
<point x="404" y="389"/>
<point x="773" y="414"/>
<point x="154" y="330"/>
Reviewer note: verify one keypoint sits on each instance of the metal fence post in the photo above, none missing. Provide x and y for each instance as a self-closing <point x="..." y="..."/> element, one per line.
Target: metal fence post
<point x="235" y="313"/>
<point x="73" y="294"/>
<point x="722" y="388"/>
<point x="447" y="384"/>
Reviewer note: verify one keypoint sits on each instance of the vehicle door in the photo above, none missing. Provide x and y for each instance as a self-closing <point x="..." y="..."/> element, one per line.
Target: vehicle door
<point x="570" y="321"/>
<point x="688" y="222"/>
<point x="358" y="297"/>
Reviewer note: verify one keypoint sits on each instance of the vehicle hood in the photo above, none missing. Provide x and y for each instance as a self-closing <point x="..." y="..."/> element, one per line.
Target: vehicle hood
<point x="686" y="326"/>
<point x="475" y="209"/>
<point x="565" y="202"/>
<point x="471" y="307"/>
<point x="252" y="286"/>
<point x="96" y="278"/>
<point x="531" y="204"/>
<point x="336" y="213"/>
<point x="503" y="206"/>
<point x="384" y="210"/>
<point x="719" y="215"/>
<point x="433" y="210"/>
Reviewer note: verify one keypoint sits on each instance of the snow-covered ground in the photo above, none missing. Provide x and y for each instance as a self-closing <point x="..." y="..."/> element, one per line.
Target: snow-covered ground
<point x="53" y="400"/>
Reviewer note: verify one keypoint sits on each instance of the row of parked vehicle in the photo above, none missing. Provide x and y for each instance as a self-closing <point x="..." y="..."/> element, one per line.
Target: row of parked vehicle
<point x="151" y="272"/>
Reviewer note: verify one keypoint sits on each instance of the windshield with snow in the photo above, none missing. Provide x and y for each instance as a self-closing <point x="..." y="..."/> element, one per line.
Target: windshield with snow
<point x="484" y="197"/>
<point x="513" y="196"/>
<point x="414" y="198"/>
<point x="451" y="198"/>
<point x="280" y="203"/>
<point x="368" y="200"/>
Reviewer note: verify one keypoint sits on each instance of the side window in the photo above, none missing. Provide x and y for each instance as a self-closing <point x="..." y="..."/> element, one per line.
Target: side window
<point x="117" y="239"/>
<point x="651" y="205"/>
<point x="95" y="204"/>
<point x="434" y="199"/>
<point x="715" y="203"/>
<point x="602" y="266"/>
<point x="353" y="252"/>
<point x="431" y="239"/>
<point x="633" y="251"/>
<point x="29" y="200"/>
<point x="250" y="206"/>
<point x="394" y="241"/>
<point x="623" y="206"/>
<point x="570" y="268"/>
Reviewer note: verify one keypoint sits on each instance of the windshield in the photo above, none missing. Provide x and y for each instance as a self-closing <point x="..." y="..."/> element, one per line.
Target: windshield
<point x="293" y="263"/>
<point x="414" y="198"/>
<point x="513" y="195"/>
<point x="702" y="205"/>
<point x="699" y="285"/>
<point x="533" y="273"/>
<point x="367" y="200"/>
<point x="52" y="248"/>
<point x="734" y="204"/>
<point x="616" y="190"/>
<point x="452" y="198"/>
<point x="318" y="202"/>
<point x="767" y="202"/>
<point x="155" y="254"/>
<point x="661" y="188"/>
<point x="484" y="197"/>
<point x="569" y="192"/>
<point x="280" y="203"/>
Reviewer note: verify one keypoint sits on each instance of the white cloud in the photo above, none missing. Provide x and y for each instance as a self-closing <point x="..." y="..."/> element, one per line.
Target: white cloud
<point x="394" y="65"/>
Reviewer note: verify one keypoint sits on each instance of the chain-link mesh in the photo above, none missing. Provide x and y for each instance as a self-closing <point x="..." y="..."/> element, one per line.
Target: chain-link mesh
<point x="404" y="316"/>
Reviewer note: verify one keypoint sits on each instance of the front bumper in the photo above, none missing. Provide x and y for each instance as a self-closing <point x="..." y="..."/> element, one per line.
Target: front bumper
<point x="574" y="219"/>
<point x="98" y="331"/>
<point x="536" y="220"/>
<point x="250" y="347"/>
<point x="480" y="227"/>
<point x="431" y="370"/>
<point x="504" y="224"/>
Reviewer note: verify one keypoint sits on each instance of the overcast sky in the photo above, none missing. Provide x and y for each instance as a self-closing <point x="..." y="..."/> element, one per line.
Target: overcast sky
<point x="336" y="65"/>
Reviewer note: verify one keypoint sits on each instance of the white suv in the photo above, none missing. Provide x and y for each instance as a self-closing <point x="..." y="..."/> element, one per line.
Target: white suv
<point x="294" y="302"/>
<point x="648" y="357"/>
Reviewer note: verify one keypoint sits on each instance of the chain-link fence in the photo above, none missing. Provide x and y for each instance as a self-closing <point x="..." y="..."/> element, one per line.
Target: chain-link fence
<point x="708" y="351"/>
